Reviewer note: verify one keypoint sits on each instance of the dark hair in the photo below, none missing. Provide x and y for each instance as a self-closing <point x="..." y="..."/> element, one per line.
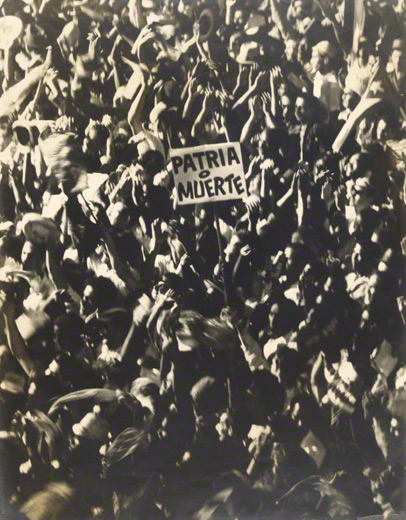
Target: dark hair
<point x="105" y="286"/>
<point x="70" y="322"/>
<point x="291" y="365"/>
<point x="5" y="124"/>
<point x="270" y="388"/>
<point x="209" y="396"/>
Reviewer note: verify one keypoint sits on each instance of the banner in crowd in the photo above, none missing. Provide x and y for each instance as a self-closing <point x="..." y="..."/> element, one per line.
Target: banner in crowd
<point x="208" y="173"/>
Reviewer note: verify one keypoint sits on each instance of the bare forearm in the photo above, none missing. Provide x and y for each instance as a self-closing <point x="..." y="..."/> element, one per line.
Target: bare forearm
<point x="9" y="68"/>
<point x="55" y="270"/>
<point x="137" y="17"/>
<point x="136" y="111"/>
<point x="14" y="96"/>
<point x="18" y="347"/>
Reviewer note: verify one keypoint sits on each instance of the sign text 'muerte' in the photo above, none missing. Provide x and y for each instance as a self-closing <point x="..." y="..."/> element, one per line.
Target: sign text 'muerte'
<point x="208" y="173"/>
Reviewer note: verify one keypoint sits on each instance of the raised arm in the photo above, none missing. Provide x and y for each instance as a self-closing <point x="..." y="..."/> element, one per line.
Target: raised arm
<point x="118" y="264"/>
<point x="14" y="96"/>
<point x="259" y="81"/>
<point x="136" y="14"/>
<point x="137" y="115"/>
<point x="15" y="341"/>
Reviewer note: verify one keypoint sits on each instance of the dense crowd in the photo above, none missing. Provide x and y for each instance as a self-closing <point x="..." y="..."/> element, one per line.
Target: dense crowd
<point x="143" y="375"/>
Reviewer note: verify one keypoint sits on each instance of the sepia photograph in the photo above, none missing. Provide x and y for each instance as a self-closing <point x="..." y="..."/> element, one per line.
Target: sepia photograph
<point x="203" y="259"/>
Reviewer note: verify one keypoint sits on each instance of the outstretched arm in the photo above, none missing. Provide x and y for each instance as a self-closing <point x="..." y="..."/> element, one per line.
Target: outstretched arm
<point x="14" y="96"/>
<point x="15" y="341"/>
<point x="121" y="268"/>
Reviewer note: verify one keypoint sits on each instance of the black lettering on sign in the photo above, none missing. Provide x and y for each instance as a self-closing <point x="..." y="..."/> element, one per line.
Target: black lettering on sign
<point x="209" y="187"/>
<point x="199" y="156"/>
<point x="232" y="156"/>
<point x="229" y="181"/>
<point x="238" y="185"/>
<point x="204" y="174"/>
<point x="221" y="155"/>
<point x="176" y="161"/>
<point x="218" y="186"/>
<point x="196" y="185"/>
<point x="189" y="163"/>
<point x="185" y="192"/>
<point x="211" y="157"/>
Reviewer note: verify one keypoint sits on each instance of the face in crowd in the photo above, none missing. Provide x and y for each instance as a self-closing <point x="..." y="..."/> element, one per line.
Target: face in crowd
<point x="303" y="110"/>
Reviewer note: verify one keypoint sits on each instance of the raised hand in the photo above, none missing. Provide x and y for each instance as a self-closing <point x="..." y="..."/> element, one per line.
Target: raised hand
<point x="63" y="297"/>
<point x="246" y="250"/>
<point x="266" y="101"/>
<point x="107" y="121"/>
<point x="261" y="79"/>
<point x="48" y="58"/>
<point x="7" y="306"/>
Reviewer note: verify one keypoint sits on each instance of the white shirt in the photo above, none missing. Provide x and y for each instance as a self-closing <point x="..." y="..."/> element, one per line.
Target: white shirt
<point x="327" y="89"/>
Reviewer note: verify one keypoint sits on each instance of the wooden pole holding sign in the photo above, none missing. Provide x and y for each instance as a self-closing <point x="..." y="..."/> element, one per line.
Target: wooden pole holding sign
<point x="209" y="173"/>
<point x="221" y="253"/>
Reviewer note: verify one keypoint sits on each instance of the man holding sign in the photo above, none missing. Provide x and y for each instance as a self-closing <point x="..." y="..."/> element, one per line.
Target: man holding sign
<point x="208" y="173"/>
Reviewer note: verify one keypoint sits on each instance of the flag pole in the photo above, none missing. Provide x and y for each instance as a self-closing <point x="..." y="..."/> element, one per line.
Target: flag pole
<point x="221" y="253"/>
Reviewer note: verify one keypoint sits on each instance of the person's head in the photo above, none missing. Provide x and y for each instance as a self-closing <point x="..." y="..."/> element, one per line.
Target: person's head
<point x="327" y="165"/>
<point x="388" y="125"/>
<point x="41" y="389"/>
<point x="356" y="166"/>
<point x="364" y="132"/>
<point x="187" y="328"/>
<point x="265" y="397"/>
<point x="118" y="215"/>
<point x="304" y="412"/>
<point x="311" y="281"/>
<point x="170" y="281"/>
<point x="365" y="49"/>
<point x="373" y="164"/>
<point x="305" y="108"/>
<point x="364" y="257"/>
<point x="209" y="397"/>
<point x="299" y="9"/>
<point x="235" y="41"/>
<point x="398" y="56"/>
<point x="366" y="222"/>
<point x="297" y="256"/>
<point x="264" y="144"/>
<point x="291" y="49"/>
<point x="99" y="293"/>
<point x="323" y="55"/>
<point x="68" y="329"/>
<point x="233" y="248"/>
<point x="95" y="138"/>
<point x="31" y="256"/>
<point x="150" y="156"/>
<point x="287" y="365"/>
<point x="349" y="98"/>
<point x="162" y="70"/>
<point x="35" y="40"/>
<point x="240" y="18"/>
<point x="6" y="134"/>
<point x="283" y="317"/>
<point x="362" y="196"/>
<point x="287" y="102"/>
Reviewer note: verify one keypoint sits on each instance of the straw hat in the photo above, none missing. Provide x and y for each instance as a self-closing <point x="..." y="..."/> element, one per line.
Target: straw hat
<point x="249" y="53"/>
<point x="92" y="426"/>
<point x="38" y="229"/>
<point x="255" y="22"/>
<point x="11" y="28"/>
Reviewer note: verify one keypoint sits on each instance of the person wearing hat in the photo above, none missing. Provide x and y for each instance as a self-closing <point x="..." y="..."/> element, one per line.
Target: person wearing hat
<point x="326" y="87"/>
<point x="307" y="110"/>
<point x="398" y="76"/>
<point x="360" y="66"/>
<point x="349" y="101"/>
